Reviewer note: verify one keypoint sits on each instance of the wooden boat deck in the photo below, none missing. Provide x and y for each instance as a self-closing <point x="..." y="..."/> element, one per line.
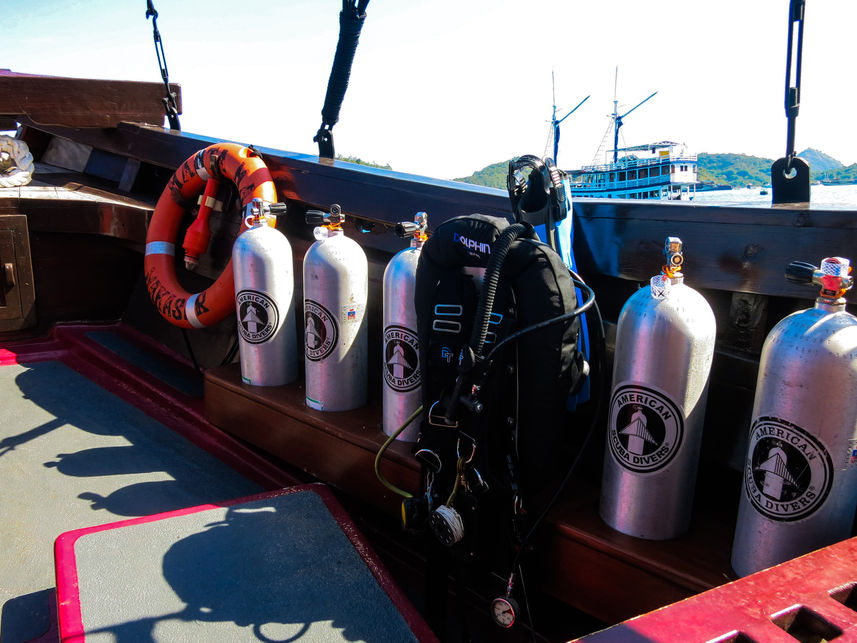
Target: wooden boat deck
<point x="84" y="222"/>
<point x="100" y="426"/>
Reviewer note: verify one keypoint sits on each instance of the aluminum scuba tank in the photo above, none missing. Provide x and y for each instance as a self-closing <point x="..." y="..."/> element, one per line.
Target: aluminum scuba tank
<point x="800" y="477"/>
<point x="400" y="391"/>
<point x="336" y="284"/>
<point x="264" y="299"/>
<point x="664" y="349"/>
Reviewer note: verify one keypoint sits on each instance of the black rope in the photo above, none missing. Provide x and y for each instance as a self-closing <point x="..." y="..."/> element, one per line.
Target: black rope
<point x="792" y="98"/>
<point x="171" y="107"/>
<point x="350" y="23"/>
<point x="790" y="180"/>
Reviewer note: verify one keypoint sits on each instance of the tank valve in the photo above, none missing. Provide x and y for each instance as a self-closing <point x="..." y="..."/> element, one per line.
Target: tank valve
<point x="673" y="255"/>
<point x="415" y="228"/>
<point x="259" y="212"/>
<point x="332" y="219"/>
<point x="834" y="277"/>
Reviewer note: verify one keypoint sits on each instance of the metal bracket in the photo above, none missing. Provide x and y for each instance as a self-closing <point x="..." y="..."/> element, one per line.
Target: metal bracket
<point x="790" y="185"/>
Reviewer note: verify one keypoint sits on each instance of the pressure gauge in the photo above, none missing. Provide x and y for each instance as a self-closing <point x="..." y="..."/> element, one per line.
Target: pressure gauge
<point x="504" y="611"/>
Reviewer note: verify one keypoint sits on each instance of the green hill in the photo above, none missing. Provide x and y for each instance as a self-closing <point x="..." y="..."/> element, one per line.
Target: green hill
<point x="736" y="170"/>
<point x="819" y="161"/>
<point x="492" y="176"/>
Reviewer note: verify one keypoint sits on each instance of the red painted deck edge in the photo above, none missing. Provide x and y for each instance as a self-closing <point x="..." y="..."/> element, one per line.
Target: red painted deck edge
<point x="69" y="612"/>
<point x="748" y="606"/>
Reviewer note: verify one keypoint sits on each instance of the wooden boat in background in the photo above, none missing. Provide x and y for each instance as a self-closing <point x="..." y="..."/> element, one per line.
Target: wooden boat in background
<point x="72" y="244"/>
<point x="662" y="170"/>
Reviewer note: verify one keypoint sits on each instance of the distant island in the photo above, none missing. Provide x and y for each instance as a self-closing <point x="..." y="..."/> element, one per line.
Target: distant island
<point x="715" y="170"/>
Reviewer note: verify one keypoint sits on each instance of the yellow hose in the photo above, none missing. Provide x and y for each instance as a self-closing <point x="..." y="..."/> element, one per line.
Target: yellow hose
<point x="384" y="447"/>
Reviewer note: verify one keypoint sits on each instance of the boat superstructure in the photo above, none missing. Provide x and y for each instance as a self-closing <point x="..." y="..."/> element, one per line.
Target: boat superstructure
<point x="663" y="170"/>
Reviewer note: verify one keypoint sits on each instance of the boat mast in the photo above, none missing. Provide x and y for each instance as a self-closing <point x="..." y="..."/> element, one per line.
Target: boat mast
<point x="554" y="122"/>
<point x="617" y="120"/>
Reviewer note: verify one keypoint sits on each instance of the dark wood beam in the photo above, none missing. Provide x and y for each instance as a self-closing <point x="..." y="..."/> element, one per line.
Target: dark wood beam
<point x="82" y="102"/>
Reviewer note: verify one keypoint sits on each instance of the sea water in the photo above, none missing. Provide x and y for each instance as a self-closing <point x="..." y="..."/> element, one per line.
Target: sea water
<point x="832" y="197"/>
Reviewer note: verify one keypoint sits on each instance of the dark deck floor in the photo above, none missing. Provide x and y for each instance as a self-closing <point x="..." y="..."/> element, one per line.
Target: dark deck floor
<point x="72" y="455"/>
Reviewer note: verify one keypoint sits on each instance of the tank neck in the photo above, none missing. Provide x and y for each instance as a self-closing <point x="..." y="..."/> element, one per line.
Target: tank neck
<point x="830" y="305"/>
<point x="677" y="279"/>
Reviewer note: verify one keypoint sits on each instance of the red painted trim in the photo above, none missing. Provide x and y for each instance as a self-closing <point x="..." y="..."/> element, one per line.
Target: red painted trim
<point x="750" y="605"/>
<point x="27" y="351"/>
<point x="70" y="615"/>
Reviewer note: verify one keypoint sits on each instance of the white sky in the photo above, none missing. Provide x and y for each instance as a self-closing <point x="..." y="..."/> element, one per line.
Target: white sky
<point x="443" y="88"/>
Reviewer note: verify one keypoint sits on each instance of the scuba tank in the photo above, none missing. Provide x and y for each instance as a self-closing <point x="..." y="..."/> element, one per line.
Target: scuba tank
<point x="264" y="298"/>
<point x="336" y="284"/>
<point x="800" y="477"/>
<point x="664" y="349"/>
<point x="401" y="394"/>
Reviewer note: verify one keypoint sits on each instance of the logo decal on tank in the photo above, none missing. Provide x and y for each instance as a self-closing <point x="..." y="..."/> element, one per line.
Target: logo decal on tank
<point x="646" y="428"/>
<point x="320" y="331"/>
<point x="788" y="473"/>
<point x="401" y="359"/>
<point x="258" y="317"/>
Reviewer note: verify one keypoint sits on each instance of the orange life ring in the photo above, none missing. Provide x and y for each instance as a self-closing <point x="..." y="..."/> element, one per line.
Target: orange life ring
<point x="248" y="172"/>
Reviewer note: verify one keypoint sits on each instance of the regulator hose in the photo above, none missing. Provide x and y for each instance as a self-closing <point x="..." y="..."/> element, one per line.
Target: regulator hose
<point x="499" y="250"/>
<point x="405" y="494"/>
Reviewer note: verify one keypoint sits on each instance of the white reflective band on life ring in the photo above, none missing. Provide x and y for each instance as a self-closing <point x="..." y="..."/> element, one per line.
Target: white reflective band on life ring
<point x="190" y="311"/>
<point x="199" y="166"/>
<point x="160" y="248"/>
<point x="210" y="202"/>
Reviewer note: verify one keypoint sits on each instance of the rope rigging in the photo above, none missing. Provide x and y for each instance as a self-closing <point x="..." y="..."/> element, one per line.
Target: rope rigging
<point x="170" y="105"/>
<point x="790" y="182"/>
<point x="350" y="23"/>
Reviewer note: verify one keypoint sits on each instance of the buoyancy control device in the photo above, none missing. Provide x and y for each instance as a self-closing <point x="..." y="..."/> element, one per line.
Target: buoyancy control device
<point x="800" y="476"/>
<point x="498" y="326"/>
<point x="540" y="194"/>
<point x="264" y="298"/>
<point x="499" y="319"/>
<point x="336" y="284"/>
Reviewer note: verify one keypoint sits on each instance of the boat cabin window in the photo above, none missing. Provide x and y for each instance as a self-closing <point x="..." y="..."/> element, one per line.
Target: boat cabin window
<point x="622" y="176"/>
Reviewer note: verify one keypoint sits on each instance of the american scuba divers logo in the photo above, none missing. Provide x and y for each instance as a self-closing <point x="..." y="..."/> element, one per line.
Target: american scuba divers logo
<point x="645" y="430"/>
<point x="789" y="473"/>
<point x="258" y="317"/>
<point x="401" y="359"/>
<point x="320" y="331"/>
